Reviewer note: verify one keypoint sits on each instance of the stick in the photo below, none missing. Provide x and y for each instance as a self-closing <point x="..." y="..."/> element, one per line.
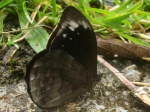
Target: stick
<point x="137" y="91"/>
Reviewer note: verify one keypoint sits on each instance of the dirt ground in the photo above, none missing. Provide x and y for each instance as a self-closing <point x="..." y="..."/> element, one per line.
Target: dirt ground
<point x="109" y="95"/>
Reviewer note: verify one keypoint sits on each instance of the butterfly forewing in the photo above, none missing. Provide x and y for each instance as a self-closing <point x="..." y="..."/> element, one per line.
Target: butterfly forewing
<point x="67" y="68"/>
<point x="75" y="35"/>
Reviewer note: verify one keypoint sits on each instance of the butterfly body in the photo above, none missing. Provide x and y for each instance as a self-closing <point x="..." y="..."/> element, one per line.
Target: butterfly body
<point x="67" y="68"/>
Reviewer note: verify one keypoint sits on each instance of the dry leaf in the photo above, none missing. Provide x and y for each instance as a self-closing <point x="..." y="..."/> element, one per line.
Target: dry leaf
<point x="114" y="48"/>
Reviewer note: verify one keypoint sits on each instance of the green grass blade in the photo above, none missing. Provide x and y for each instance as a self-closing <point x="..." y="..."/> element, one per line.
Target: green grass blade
<point x="53" y="8"/>
<point x="123" y="7"/>
<point x="128" y="7"/>
<point x="3" y="14"/>
<point x="101" y="11"/>
<point x="133" y="39"/>
<point x="26" y="12"/>
<point x="5" y="2"/>
<point x="116" y="18"/>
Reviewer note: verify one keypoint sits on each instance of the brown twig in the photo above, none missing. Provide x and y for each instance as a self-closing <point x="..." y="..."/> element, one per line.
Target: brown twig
<point x="141" y="83"/>
<point x="140" y="92"/>
<point x="118" y="74"/>
<point x="19" y="30"/>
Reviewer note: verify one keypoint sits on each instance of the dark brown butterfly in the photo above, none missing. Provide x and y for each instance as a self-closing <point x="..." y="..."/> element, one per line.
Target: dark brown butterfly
<point x="67" y="68"/>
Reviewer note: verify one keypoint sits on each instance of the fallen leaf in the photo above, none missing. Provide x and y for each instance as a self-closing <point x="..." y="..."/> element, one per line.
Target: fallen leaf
<point x="108" y="47"/>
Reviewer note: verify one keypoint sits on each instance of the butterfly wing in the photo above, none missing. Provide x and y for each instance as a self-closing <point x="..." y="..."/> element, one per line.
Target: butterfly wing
<point x="53" y="80"/>
<point x="68" y="67"/>
<point x="75" y="35"/>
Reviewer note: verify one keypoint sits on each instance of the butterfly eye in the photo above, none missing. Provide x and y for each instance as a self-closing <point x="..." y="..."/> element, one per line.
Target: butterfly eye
<point x="67" y="67"/>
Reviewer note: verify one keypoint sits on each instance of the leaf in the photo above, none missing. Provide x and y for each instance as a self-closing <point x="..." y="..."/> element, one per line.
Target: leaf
<point x="128" y="7"/>
<point x="37" y="38"/>
<point x="3" y="14"/>
<point x="26" y="11"/>
<point x="111" y="48"/>
<point x="133" y="39"/>
<point x="3" y="3"/>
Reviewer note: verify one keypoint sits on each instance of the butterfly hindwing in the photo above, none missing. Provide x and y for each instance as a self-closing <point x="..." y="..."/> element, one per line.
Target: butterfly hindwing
<point x="67" y="68"/>
<point x="53" y="82"/>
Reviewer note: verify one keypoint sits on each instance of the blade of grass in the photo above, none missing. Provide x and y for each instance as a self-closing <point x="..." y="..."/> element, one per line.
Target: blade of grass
<point x="134" y="40"/>
<point x="112" y="25"/>
<point x="84" y="5"/>
<point x="26" y="12"/>
<point x="134" y="7"/>
<point x="128" y="7"/>
<point x="101" y="11"/>
<point x="3" y="15"/>
<point x="5" y="2"/>
<point x="53" y="8"/>
<point x="11" y="41"/>
<point x="122" y="7"/>
<point x="116" y="18"/>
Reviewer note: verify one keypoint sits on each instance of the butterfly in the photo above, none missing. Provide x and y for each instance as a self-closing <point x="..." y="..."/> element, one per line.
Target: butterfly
<point x="67" y="68"/>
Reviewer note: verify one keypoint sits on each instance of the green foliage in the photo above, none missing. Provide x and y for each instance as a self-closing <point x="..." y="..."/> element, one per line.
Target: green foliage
<point x="129" y="20"/>
<point x="37" y="37"/>
<point x="3" y="14"/>
<point x="4" y="3"/>
<point x="120" y="20"/>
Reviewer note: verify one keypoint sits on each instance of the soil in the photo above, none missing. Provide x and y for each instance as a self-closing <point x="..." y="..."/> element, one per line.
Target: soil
<point x="109" y="95"/>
